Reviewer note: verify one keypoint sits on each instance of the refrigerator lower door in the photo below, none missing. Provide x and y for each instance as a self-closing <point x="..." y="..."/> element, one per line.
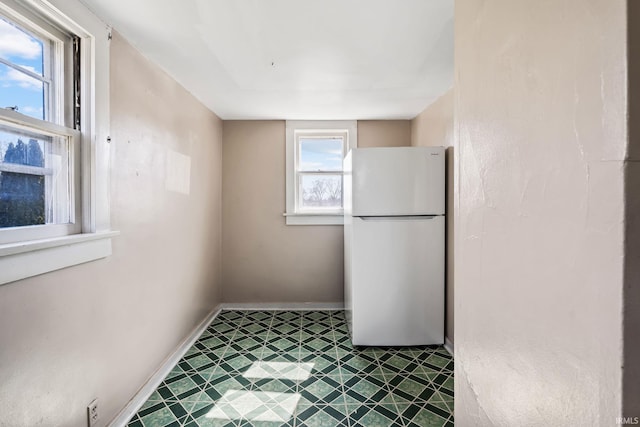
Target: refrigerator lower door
<point x="396" y="283"/>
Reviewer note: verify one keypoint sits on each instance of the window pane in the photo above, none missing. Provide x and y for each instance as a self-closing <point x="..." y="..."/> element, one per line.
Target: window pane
<point x="34" y="179"/>
<point x="321" y="154"/>
<point x="20" y="47"/>
<point x="321" y="191"/>
<point x="22" y="91"/>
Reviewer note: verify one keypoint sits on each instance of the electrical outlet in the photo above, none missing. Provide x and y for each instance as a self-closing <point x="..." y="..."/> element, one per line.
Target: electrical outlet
<point x="92" y="413"/>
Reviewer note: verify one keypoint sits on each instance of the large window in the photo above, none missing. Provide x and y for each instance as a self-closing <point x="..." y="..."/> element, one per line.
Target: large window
<point x="54" y="140"/>
<point x="315" y="151"/>
<point x="39" y="138"/>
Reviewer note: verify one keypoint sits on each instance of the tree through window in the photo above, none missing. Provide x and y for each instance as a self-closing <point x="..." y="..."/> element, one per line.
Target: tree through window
<point x="22" y="195"/>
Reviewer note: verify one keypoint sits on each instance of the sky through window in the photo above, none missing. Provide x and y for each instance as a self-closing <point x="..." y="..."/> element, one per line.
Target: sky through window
<point x="323" y="154"/>
<point x="19" y="89"/>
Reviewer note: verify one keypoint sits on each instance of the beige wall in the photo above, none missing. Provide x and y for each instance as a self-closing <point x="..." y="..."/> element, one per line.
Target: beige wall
<point x="434" y="127"/>
<point x="384" y="133"/>
<point x="540" y="140"/>
<point x="265" y="260"/>
<point x="102" y="328"/>
<point x="631" y="379"/>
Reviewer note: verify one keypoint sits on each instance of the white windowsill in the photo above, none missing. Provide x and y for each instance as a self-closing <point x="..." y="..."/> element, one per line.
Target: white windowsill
<point x="31" y="258"/>
<point x="314" y="218"/>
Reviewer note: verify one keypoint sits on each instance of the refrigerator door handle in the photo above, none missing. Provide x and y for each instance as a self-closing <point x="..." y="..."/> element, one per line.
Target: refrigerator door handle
<point x="398" y="217"/>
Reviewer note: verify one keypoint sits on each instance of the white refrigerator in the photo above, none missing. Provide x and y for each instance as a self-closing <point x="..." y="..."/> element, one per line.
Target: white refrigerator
<point x="394" y="231"/>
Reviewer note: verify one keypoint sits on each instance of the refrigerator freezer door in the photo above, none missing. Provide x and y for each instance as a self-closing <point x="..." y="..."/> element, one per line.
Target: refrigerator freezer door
<point x="396" y="288"/>
<point x="397" y="181"/>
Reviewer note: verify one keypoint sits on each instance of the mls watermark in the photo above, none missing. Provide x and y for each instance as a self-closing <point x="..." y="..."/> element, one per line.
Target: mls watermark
<point x="627" y="420"/>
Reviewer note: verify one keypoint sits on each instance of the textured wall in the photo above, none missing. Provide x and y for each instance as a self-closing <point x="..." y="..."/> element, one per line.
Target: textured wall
<point x="434" y="127"/>
<point x="102" y="328"/>
<point x="265" y="260"/>
<point x="631" y="380"/>
<point x="540" y="139"/>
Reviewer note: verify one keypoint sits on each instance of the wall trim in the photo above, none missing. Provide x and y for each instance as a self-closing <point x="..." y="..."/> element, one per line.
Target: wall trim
<point x="293" y="306"/>
<point x="448" y="345"/>
<point x="152" y="384"/>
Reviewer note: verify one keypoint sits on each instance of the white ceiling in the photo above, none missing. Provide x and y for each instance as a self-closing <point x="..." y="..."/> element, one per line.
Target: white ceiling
<point x="296" y="59"/>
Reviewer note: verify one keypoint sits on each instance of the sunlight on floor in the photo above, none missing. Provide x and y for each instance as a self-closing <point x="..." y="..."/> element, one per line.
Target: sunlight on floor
<point x="279" y="370"/>
<point x="258" y="405"/>
<point x="255" y="406"/>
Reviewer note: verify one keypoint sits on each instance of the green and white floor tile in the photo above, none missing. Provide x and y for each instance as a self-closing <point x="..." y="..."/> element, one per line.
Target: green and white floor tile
<point x="293" y="368"/>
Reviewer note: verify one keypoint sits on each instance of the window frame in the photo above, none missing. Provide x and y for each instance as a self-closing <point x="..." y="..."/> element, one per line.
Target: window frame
<point x="34" y="255"/>
<point x="57" y="73"/>
<point x="295" y="129"/>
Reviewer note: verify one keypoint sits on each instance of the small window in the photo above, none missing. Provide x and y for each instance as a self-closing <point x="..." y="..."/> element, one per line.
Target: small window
<point x="39" y="139"/>
<point x="315" y="151"/>
<point x="319" y="172"/>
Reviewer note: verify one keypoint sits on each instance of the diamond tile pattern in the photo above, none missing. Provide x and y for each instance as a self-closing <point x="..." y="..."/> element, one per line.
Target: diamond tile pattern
<point x="298" y="368"/>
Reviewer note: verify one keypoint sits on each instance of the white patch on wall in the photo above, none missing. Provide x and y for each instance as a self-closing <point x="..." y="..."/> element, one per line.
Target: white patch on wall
<point x="178" y="177"/>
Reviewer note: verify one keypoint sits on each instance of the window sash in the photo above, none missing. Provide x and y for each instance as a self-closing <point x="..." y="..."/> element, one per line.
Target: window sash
<point x="23" y="123"/>
<point x="302" y="136"/>
<point x="57" y="48"/>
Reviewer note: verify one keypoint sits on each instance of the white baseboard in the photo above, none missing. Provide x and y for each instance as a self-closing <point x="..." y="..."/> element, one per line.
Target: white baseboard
<point x="292" y="306"/>
<point x="152" y="384"/>
<point x="448" y="345"/>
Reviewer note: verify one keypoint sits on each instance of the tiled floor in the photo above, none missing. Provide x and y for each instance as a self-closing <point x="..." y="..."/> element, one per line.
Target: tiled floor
<point x="287" y="368"/>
